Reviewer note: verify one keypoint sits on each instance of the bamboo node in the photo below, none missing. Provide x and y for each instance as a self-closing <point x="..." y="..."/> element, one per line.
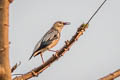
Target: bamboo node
<point x="2" y="49"/>
<point x="10" y="1"/>
<point x="6" y="25"/>
<point x="1" y="8"/>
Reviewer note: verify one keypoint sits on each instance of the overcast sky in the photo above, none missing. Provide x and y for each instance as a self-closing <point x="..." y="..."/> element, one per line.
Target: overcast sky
<point x="94" y="55"/>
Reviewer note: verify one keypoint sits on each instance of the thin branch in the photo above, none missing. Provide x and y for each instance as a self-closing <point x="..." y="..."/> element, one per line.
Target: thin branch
<point x="56" y="56"/>
<point x="15" y="67"/>
<point x="111" y="76"/>
<point x="61" y="52"/>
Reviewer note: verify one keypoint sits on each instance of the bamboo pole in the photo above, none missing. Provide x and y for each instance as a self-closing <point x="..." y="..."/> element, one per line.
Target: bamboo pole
<point x="5" y="73"/>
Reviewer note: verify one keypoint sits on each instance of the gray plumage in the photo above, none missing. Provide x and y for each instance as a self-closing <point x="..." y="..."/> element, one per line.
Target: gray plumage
<point x="49" y="40"/>
<point x="45" y="41"/>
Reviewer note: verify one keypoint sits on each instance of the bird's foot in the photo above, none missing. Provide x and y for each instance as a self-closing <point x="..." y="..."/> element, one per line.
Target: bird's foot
<point x="56" y="55"/>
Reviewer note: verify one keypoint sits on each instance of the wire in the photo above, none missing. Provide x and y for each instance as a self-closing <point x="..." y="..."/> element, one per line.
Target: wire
<point x="96" y="12"/>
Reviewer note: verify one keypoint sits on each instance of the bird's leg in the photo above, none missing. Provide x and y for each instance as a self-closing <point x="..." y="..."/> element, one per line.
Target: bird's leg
<point x="42" y="58"/>
<point x="53" y="50"/>
<point x="54" y="54"/>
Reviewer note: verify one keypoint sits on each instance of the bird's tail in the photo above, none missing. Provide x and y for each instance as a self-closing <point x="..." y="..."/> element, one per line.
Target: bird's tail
<point x="30" y="57"/>
<point x="34" y="54"/>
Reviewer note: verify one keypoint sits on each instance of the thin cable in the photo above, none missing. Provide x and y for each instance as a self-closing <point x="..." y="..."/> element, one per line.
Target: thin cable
<point x="96" y="12"/>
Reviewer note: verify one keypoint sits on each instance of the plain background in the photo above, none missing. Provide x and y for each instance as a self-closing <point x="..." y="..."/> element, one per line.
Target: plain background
<point x="94" y="55"/>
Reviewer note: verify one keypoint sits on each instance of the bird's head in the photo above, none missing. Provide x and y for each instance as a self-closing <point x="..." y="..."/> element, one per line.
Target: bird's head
<point x="59" y="25"/>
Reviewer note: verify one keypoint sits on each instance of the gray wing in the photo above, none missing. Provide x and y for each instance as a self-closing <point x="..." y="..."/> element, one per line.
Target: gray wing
<point x="46" y="40"/>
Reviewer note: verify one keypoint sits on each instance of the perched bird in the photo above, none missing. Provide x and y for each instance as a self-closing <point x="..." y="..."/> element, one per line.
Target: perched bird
<point x="49" y="40"/>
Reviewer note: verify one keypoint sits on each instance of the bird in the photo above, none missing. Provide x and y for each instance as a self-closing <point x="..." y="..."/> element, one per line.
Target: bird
<point x="49" y="40"/>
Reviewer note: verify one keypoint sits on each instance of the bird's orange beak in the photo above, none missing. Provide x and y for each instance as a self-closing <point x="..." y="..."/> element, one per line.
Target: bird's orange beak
<point x="66" y="23"/>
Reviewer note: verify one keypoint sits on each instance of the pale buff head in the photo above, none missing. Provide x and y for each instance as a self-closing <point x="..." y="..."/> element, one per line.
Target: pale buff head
<point x="59" y="25"/>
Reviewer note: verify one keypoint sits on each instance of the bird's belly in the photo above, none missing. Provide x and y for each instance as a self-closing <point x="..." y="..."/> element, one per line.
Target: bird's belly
<point x="53" y="43"/>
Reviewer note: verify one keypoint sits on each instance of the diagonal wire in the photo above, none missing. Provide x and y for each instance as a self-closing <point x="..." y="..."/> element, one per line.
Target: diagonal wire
<point x="96" y="12"/>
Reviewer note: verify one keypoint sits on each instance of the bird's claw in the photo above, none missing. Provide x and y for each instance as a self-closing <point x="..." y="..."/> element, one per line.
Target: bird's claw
<point x="67" y="42"/>
<point x="56" y="55"/>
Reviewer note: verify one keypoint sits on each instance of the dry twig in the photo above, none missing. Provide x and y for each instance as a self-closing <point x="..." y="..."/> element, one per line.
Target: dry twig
<point x="66" y="47"/>
<point x="15" y="67"/>
<point x="111" y="76"/>
<point x="61" y="52"/>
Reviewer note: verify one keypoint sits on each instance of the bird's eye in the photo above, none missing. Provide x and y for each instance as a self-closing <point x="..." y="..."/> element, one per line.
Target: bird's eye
<point x="60" y="22"/>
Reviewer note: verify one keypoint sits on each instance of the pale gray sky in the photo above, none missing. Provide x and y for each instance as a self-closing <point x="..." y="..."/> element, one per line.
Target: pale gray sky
<point x="93" y="56"/>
